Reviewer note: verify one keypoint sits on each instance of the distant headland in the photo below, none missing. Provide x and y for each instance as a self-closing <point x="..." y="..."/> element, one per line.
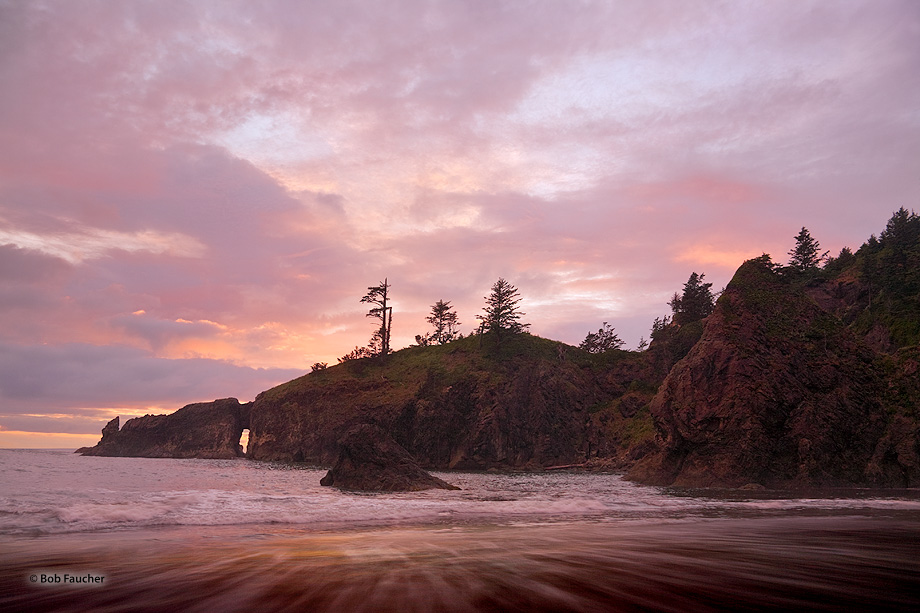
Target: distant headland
<point x="806" y="374"/>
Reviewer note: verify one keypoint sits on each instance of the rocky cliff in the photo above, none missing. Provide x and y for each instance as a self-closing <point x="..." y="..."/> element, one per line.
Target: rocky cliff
<point x="896" y="458"/>
<point x="780" y="392"/>
<point x="202" y="430"/>
<point x="797" y="378"/>
<point x="536" y="403"/>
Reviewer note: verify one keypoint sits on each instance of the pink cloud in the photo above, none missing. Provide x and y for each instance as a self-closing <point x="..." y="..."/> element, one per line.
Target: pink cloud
<point x="77" y="388"/>
<point x="250" y="168"/>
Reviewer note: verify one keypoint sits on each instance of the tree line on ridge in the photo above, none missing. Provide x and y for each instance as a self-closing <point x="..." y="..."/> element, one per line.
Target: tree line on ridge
<point x="893" y="259"/>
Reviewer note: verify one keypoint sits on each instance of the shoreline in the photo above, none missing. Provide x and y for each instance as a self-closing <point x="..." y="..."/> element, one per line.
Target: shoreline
<point x="838" y="561"/>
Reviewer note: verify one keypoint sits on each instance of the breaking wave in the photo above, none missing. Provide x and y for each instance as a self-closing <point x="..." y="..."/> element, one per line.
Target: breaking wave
<point x="57" y="492"/>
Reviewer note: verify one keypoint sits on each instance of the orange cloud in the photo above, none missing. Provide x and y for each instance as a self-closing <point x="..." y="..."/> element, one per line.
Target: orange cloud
<point x="708" y="254"/>
<point x="15" y="439"/>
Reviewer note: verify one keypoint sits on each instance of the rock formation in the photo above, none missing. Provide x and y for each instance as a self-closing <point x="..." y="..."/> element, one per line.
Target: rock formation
<point x="459" y="406"/>
<point x="369" y="460"/>
<point x="797" y="378"/>
<point x="896" y="458"/>
<point x="203" y="430"/>
<point x="777" y="392"/>
<point x="536" y="403"/>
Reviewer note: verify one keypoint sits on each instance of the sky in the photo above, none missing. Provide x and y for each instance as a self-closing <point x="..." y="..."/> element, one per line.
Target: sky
<point x="194" y="196"/>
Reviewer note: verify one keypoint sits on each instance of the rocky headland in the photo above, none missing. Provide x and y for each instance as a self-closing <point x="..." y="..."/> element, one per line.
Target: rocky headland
<point x="535" y="403"/>
<point x="801" y="378"/>
<point x="777" y="392"/>
<point x="796" y="378"/>
<point x="209" y="430"/>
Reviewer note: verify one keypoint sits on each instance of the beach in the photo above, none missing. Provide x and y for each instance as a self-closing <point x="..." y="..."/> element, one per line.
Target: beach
<point x="150" y="538"/>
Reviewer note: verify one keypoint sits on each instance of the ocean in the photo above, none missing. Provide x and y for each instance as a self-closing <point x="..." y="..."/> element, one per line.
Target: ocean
<point x="134" y="534"/>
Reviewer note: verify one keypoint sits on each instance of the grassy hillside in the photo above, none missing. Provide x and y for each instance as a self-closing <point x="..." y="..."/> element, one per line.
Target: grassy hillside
<point x="531" y="402"/>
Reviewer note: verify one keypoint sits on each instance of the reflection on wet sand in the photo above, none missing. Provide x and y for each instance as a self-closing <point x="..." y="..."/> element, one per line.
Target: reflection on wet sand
<point x="754" y="564"/>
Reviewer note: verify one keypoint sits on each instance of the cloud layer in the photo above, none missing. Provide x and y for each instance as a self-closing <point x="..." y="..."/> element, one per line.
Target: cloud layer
<point x="198" y="193"/>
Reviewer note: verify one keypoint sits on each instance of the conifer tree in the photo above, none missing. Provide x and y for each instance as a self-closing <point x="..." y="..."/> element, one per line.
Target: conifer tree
<point x="902" y="232"/>
<point x="445" y="322"/>
<point x="501" y="314"/>
<point x="601" y="341"/>
<point x="806" y="255"/>
<point x="898" y="254"/>
<point x="378" y="295"/>
<point x="696" y="302"/>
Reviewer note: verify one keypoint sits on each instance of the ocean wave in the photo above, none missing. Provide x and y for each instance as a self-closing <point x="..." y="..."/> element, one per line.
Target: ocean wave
<point x="142" y="511"/>
<point x="62" y="493"/>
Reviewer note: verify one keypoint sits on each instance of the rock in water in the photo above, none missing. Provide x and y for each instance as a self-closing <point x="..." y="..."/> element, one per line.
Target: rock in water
<point x="369" y="460"/>
<point x="203" y="430"/>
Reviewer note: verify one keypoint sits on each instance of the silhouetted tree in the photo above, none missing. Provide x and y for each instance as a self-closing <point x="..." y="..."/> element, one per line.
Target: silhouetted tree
<point x="318" y="366"/>
<point x="765" y="261"/>
<point x="695" y="303"/>
<point x="660" y="327"/>
<point x="601" y="341"/>
<point x="375" y="345"/>
<point x="806" y="255"/>
<point x="902" y="232"/>
<point x="501" y="314"/>
<point x="445" y="323"/>
<point x="897" y="255"/>
<point x="889" y="266"/>
<point x="837" y="264"/>
<point x="378" y="295"/>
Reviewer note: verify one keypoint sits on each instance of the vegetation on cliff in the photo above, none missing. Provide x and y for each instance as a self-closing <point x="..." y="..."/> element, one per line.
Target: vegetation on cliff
<point x="802" y="375"/>
<point x="798" y="375"/>
<point x="529" y="402"/>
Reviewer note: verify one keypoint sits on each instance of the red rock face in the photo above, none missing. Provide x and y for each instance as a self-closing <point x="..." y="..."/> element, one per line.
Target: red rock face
<point x="776" y="392"/>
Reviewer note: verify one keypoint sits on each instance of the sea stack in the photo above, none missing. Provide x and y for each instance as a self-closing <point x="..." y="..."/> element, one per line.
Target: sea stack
<point x="370" y="460"/>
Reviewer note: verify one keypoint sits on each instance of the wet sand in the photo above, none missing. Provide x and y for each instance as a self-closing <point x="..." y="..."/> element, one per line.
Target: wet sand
<point x="836" y="563"/>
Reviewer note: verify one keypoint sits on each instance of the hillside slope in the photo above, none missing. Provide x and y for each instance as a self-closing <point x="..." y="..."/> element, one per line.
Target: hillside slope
<point x="801" y="377"/>
<point x="798" y="377"/>
<point x="776" y="391"/>
<point x="535" y="403"/>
